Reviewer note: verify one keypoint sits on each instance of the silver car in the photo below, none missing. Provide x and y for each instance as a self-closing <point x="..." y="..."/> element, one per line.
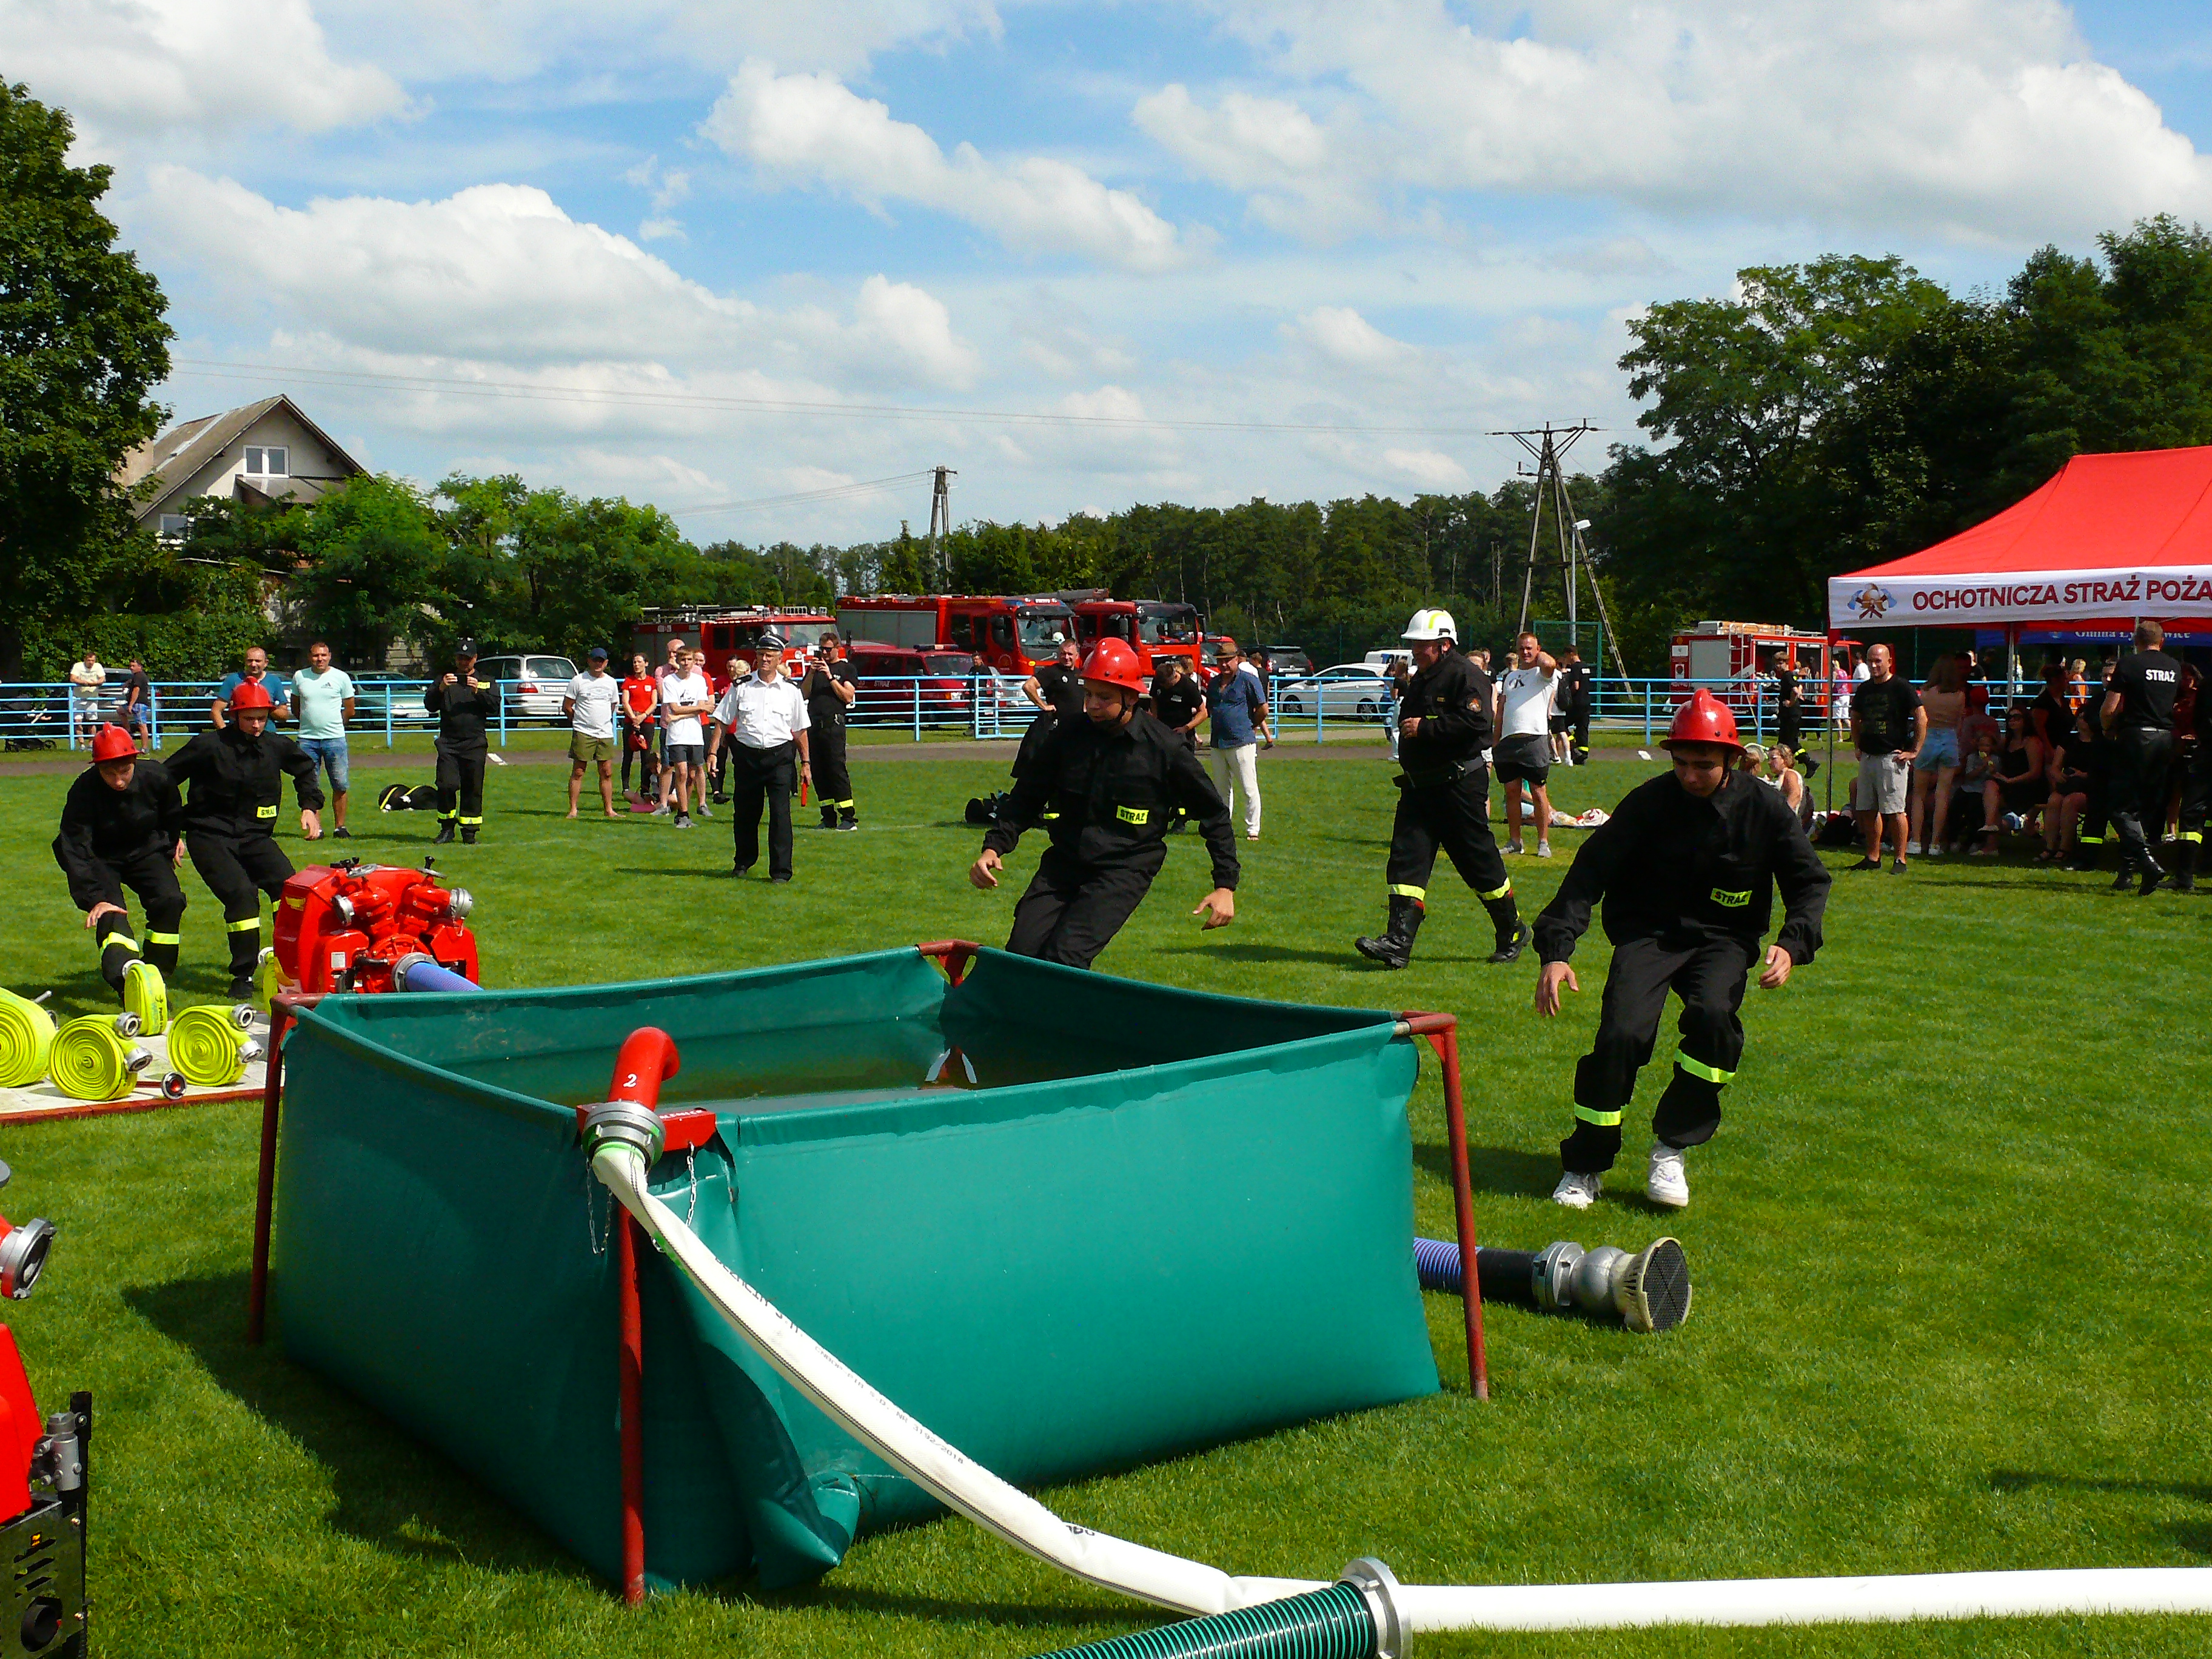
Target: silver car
<point x="533" y="685"/>
<point x="1350" y="690"/>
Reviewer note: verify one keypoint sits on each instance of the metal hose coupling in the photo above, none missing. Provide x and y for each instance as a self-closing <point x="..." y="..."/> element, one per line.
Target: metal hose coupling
<point x="1648" y="1291"/>
<point x="625" y="1123"/>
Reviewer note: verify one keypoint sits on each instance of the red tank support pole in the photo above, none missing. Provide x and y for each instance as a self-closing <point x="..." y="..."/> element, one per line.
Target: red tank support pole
<point x="953" y="955"/>
<point x="264" y="1188"/>
<point x="1442" y="1033"/>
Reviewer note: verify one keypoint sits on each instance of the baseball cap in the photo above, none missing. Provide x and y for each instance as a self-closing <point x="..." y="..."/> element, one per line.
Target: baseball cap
<point x="465" y="648"/>
<point x="597" y="653"/>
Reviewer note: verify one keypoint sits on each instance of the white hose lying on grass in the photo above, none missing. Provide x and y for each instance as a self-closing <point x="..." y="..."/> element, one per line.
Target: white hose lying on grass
<point x="1169" y="1581"/>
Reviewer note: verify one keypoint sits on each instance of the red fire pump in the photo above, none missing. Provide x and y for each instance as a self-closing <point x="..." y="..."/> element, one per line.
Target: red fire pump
<point x="354" y="927"/>
<point x="42" y="1480"/>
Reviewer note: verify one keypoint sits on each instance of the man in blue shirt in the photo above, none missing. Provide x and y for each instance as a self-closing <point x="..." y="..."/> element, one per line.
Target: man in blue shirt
<point x="322" y="702"/>
<point x="256" y="669"/>
<point x="1236" y="715"/>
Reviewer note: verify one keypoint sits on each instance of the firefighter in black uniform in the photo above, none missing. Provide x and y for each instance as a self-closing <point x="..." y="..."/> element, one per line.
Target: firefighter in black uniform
<point x="237" y="782"/>
<point x="1687" y="867"/>
<point x="122" y="824"/>
<point x="1107" y="786"/>
<point x="463" y="704"/>
<point x="1056" y="689"/>
<point x="2138" y="711"/>
<point x="1444" y="795"/>
<point x="830" y="689"/>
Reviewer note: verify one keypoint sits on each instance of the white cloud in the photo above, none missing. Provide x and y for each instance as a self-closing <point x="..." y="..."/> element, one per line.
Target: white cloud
<point x="1294" y="167"/>
<point x="1348" y="340"/>
<point x="811" y="129"/>
<point x="1978" y="118"/>
<point x="1427" y="468"/>
<point x="499" y="275"/>
<point x="144" y="67"/>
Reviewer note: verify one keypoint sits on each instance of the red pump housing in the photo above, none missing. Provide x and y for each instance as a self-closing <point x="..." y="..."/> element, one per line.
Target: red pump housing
<point x="346" y="926"/>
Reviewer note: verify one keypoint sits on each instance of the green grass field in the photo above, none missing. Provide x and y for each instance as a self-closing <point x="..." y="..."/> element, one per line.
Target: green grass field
<point x="1949" y="1249"/>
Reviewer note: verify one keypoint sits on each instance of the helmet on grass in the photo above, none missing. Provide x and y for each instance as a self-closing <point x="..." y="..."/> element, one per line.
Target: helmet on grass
<point x="1704" y="719"/>
<point x="1431" y="625"/>
<point x="1112" y="663"/>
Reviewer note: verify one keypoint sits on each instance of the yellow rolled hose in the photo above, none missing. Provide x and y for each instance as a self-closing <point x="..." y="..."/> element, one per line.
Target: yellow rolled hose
<point x="92" y="1060"/>
<point x="145" y="995"/>
<point x="269" y="979"/>
<point x="26" y="1035"/>
<point x="207" y="1048"/>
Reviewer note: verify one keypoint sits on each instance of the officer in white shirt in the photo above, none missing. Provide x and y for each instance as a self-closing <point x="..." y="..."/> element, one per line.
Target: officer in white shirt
<point x="764" y="718"/>
<point x="1528" y="692"/>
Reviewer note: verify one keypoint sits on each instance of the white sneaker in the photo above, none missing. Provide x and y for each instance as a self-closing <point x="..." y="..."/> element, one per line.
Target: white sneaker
<point x="1511" y="849"/>
<point x="1543" y="849"/>
<point x="1578" y="1192"/>
<point x="1666" y="1183"/>
<point x="1912" y="849"/>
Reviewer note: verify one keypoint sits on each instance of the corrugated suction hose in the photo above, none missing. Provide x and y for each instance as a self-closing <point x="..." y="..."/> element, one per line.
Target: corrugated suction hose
<point x="1323" y="1623"/>
<point x="27" y="1036"/>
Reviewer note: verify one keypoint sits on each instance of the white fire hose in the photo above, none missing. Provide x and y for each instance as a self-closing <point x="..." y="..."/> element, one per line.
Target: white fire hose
<point x="624" y="1137"/>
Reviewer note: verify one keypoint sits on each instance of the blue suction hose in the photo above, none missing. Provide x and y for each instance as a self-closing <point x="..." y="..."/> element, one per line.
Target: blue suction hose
<point x="425" y="975"/>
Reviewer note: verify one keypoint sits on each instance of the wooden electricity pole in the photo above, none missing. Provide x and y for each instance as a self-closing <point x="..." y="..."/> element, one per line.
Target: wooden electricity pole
<point x="1548" y="446"/>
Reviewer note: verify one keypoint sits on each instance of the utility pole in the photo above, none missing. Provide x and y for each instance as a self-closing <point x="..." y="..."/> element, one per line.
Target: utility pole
<point x="1548" y="446"/>
<point x="940" y="526"/>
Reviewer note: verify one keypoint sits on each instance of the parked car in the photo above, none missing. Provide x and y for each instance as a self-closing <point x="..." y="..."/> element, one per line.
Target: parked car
<point x="533" y="685"/>
<point x="888" y="675"/>
<point x="1289" y="661"/>
<point x="404" y="696"/>
<point x="1350" y="690"/>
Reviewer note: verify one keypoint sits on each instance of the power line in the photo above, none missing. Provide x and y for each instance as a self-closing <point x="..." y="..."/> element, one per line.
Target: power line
<point x="829" y="493"/>
<point x="217" y="369"/>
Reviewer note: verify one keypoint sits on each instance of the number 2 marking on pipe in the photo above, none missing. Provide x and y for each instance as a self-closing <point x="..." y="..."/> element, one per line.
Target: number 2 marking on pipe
<point x="630" y="1082"/>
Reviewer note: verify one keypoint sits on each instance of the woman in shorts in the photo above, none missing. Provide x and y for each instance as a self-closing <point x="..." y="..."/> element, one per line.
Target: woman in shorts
<point x="1935" y="770"/>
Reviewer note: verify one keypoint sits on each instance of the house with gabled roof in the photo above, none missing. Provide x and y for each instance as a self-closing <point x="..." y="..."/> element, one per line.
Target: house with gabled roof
<point x="267" y="451"/>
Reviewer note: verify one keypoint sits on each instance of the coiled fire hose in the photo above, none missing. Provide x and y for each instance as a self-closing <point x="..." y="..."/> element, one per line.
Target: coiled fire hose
<point x="623" y="1137"/>
<point x="146" y="995"/>
<point x="92" y="1060"/>
<point x="209" y="1046"/>
<point x="26" y="1036"/>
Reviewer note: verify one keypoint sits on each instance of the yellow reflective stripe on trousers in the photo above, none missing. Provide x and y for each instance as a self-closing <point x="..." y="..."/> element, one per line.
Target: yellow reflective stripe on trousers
<point x="1603" y="1120"/>
<point x="2193" y="835"/>
<point x="153" y="937"/>
<point x="123" y="940"/>
<point x="1698" y="1068"/>
<point x="250" y="925"/>
<point x="1498" y="892"/>
<point x="1399" y="890"/>
<point x="466" y="818"/>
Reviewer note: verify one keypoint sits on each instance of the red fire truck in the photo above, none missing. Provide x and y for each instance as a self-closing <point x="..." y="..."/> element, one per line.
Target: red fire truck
<point x="1152" y="627"/>
<point x="724" y="633"/>
<point x="1714" y="652"/>
<point x="1014" y="634"/>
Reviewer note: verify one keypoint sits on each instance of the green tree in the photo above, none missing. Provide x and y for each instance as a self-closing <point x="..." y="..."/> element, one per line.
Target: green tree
<point x="82" y="341"/>
<point x="377" y="567"/>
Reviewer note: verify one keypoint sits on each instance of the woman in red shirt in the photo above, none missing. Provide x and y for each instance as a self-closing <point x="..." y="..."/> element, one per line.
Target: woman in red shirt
<point x="640" y="698"/>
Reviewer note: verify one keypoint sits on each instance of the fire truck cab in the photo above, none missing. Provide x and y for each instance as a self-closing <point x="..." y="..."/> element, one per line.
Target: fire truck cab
<point x="1151" y="627"/>
<point x="1009" y="635"/>
<point x="725" y="634"/>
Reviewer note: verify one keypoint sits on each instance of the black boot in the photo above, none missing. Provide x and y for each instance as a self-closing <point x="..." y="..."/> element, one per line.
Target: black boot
<point x="445" y="833"/>
<point x="1511" y="932"/>
<point x="2182" y="877"/>
<point x="468" y="834"/>
<point x="2152" y="873"/>
<point x="1395" y="947"/>
<point x="829" y="817"/>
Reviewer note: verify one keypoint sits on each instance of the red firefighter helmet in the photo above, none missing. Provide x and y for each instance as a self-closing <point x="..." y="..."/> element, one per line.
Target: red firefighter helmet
<point x="250" y="694"/>
<point x="1112" y="663"/>
<point x="1704" y="719"/>
<point x="111" y="743"/>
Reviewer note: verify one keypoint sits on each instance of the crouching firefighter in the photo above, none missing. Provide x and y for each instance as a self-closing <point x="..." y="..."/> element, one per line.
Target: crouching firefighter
<point x="236" y="779"/>
<point x="464" y="704"/>
<point x="1107" y="788"/>
<point x="122" y="824"/>
<point x="1444" y="795"/>
<point x="1687" y="867"/>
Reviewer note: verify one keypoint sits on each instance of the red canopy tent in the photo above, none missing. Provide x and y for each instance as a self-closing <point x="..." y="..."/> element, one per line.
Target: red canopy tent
<point x="2110" y="539"/>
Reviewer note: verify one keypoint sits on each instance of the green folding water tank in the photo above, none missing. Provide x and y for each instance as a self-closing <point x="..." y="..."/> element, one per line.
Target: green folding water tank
<point x="1070" y="1223"/>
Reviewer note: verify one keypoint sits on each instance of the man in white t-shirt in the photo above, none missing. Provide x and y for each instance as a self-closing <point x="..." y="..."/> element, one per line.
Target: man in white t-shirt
<point x="1528" y="691"/>
<point x="86" y="677"/>
<point x="686" y="698"/>
<point x="678" y="649"/>
<point x="589" y="704"/>
<point x="763" y="718"/>
<point x="322" y="702"/>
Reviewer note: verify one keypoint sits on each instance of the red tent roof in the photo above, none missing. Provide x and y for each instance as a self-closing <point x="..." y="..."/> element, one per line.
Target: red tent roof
<point x="2109" y="537"/>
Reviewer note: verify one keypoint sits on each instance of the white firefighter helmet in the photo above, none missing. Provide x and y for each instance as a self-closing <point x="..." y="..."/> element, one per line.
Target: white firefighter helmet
<point x="1431" y="625"/>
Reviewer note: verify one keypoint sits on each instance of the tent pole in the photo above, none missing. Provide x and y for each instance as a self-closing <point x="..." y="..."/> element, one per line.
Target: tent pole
<point x="2012" y="664"/>
<point x="1828" y="680"/>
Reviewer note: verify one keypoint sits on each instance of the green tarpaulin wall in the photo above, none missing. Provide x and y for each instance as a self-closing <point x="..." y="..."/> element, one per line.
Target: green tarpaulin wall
<point x="1163" y="1220"/>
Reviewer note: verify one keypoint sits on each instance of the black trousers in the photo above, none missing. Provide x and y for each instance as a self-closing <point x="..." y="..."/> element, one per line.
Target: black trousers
<point x="833" y="783"/>
<point x="643" y="755"/>
<point x="1454" y="819"/>
<point x="1072" y="911"/>
<point x="759" y="778"/>
<point x="1581" y="719"/>
<point x="239" y="870"/>
<point x="153" y="878"/>
<point x="460" y="783"/>
<point x="1789" y="728"/>
<point x="2141" y="768"/>
<point x="1708" y="977"/>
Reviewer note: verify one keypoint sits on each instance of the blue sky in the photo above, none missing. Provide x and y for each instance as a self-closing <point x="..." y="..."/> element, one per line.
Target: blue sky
<point x="1210" y="251"/>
